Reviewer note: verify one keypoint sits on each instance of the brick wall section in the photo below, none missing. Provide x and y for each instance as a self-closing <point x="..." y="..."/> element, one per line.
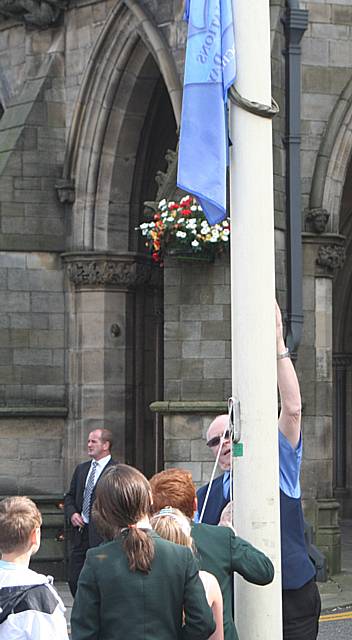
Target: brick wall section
<point x="197" y="330"/>
<point x="31" y="329"/>
<point x="185" y="446"/>
<point x="31" y="456"/>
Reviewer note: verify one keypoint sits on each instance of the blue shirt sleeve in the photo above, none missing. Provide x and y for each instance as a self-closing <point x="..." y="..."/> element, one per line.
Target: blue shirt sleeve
<point x="290" y="465"/>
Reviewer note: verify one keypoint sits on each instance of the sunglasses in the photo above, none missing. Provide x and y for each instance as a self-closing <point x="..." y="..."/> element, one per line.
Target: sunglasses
<point x="214" y="442"/>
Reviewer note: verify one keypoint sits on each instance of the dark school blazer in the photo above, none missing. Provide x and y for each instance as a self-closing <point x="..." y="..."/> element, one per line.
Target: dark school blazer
<point x="113" y="602"/>
<point x="216" y="501"/>
<point x="74" y="501"/>
<point x="221" y="552"/>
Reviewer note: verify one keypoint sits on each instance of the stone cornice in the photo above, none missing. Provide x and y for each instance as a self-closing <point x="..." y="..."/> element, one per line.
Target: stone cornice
<point x="33" y="412"/>
<point x="34" y="13"/>
<point x="199" y="406"/>
<point x="99" y="270"/>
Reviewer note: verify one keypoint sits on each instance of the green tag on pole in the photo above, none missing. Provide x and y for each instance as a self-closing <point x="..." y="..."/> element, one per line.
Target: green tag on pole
<point x="237" y="449"/>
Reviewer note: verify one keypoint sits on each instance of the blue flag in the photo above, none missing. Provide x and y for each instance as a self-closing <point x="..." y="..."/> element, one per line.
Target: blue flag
<point x="210" y="69"/>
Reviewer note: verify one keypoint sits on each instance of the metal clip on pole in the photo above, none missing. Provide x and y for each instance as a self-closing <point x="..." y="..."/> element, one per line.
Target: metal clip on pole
<point x="235" y="426"/>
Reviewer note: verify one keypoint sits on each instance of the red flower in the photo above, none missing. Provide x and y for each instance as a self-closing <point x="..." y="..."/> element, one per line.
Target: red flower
<point x="155" y="257"/>
<point x="174" y="206"/>
<point x="157" y="216"/>
<point x="186" y="212"/>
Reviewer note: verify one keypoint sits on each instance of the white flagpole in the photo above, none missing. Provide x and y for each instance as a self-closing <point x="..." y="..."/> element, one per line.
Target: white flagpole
<point x="256" y="474"/>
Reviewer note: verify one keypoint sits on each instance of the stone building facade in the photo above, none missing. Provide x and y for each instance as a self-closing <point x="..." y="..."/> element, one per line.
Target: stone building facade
<point x="91" y="333"/>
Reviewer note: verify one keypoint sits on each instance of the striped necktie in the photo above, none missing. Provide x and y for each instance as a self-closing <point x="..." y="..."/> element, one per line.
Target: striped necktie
<point x="88" y="491"/>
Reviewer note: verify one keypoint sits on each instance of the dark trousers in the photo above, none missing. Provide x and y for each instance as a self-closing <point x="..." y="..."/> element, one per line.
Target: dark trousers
<point x="79" y="548"/>
<point x="300" y="612"/>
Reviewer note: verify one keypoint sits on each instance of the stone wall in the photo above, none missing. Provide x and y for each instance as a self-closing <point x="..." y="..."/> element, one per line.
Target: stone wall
<point x="32" y="384"/>
<point x="31" y="454"/>
<point x="197" y="330"/>
<point x="32" y="330"/>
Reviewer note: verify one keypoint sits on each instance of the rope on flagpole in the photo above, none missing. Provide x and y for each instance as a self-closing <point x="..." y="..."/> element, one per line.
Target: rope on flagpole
<point x="256" y="108"/>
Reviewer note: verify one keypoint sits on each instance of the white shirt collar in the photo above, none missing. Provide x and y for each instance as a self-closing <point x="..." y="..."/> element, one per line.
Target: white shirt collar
<point x="102" y="462"/>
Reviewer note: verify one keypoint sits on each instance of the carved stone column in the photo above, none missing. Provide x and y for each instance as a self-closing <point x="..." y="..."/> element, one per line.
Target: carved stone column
<point x="101" y="350"/>
<point x="323" y="255"/>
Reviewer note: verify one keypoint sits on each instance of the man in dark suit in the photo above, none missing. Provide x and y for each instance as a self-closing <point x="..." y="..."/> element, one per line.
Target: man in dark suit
<point x="79" y="500"/>
<point x="218" y="549"/>
<point x="219" y="495"/>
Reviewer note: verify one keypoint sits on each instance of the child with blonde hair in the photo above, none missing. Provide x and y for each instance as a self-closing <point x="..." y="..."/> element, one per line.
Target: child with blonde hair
<point x="29" y="604"/>
<point x="172" y="525"/>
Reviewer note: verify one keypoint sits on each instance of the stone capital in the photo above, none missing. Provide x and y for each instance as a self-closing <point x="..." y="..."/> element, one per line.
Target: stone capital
<point x="342" y="360"/>
<point x="323" y="254"/>
<point x="99" y="270"/>
<point x="35" y="13"/>
<point x="331" y="258"/>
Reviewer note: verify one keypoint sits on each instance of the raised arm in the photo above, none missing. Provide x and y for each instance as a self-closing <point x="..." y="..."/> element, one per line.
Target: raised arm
<point x="290" y="396"/>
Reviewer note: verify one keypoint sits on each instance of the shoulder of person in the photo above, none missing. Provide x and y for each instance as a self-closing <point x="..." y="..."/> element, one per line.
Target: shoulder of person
<point x="214" y="531"/>
<point x="103" y="550"/>
<point x="171" y="548"/>
<point x="82" y="466"/>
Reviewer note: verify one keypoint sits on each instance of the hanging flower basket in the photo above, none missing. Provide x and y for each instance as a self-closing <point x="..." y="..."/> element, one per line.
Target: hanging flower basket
<point x="181" y="229"/>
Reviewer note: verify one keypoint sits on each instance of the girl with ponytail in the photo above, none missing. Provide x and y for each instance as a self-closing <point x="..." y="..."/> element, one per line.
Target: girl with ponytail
<point x="137" y="585"/>
<point x="173" y="525"/>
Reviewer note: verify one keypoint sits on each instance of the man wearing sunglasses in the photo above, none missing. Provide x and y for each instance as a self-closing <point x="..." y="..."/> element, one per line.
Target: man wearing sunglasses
<point x="219" y="495"/>
<point x="300" y="596"/>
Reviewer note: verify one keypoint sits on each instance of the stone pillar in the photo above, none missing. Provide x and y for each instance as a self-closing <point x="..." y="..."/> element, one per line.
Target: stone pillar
<point x="101" y="347"/>
<point x="323" y="256"/>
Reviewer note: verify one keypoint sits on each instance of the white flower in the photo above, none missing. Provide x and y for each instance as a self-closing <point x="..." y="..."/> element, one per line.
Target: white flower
<point x="225" y="239"/>
<point x="213" y="239"/>
<point x="151" y="224"/>
<point x="225" y="223"/>
<point x="170" y="203"/>
<point x="195" y="243"/>
<point x="193" y="207"/>
<point x="181" y="220"/>
<point x="162" y="203"/>
<point x="170" y="219"/>
<point x="163" y="215"/>
<point x="144" y="225"/>
<point x="181" y="234"/>
<point x="226" y="232"/>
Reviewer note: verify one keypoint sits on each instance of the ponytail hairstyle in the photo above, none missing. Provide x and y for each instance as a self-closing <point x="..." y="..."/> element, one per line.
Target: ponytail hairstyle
<point x="123" y="497"/>
<point x="173" y="525"/>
